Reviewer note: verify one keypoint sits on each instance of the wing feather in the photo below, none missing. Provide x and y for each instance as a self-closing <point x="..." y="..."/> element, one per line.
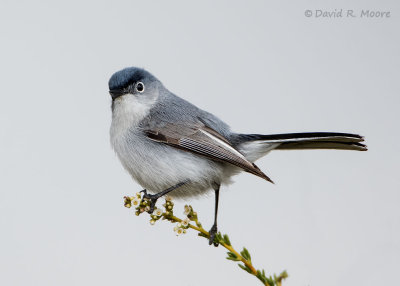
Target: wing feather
<point x="204" y="141"/>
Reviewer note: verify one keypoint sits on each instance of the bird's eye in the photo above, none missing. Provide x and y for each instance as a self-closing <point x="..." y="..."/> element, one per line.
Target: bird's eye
<point x="139" y="87"/>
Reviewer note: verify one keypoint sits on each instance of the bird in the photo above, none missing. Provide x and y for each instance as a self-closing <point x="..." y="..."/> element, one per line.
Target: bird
<point x="170" y="146"/>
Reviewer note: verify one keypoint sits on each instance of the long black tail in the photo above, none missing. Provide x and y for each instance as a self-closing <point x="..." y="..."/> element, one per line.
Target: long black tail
<point x="311" y="140"/>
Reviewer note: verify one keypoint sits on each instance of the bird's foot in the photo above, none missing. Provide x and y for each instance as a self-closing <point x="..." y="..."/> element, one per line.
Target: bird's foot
<point x="213" y="231"/>
<point x="153" y="199"/>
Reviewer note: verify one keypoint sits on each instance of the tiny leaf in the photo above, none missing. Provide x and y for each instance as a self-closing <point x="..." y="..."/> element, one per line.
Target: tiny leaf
<point x="226" y="239"/>
<point x="245" y="253"/>
<point x="232" y="256"/>
<point x="261" y="276"/>
<point x="244" y="267"/>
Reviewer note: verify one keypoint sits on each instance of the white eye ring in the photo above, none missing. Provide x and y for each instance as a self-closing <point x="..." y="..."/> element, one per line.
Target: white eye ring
<point x="139" y="87"/>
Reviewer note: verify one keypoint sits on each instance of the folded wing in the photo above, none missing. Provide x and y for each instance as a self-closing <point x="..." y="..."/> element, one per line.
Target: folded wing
<point x="203" y="141"/>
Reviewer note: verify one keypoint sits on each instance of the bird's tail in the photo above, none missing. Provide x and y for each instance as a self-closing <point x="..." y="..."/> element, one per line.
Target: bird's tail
<point x="254" y="146"/>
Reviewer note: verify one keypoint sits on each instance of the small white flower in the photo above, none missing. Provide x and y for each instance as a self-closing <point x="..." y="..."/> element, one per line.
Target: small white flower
<point x="179" y="225"/>
<point x="185" y="222"/>
<point x="135" y="202"/>
<point x="187" y="210"/>
<point x="158" y="212"/>
<point x="178" y="231"/>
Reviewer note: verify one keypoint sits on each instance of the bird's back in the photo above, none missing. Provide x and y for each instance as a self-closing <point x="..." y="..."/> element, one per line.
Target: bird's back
<point x="173" y="109"/>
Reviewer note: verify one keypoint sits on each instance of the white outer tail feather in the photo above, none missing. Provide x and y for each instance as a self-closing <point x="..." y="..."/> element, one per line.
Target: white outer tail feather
<point x="259" y="147"/>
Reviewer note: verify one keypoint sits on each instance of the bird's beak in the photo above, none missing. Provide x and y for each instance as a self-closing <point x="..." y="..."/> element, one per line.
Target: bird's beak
<point x="115" y="93"/>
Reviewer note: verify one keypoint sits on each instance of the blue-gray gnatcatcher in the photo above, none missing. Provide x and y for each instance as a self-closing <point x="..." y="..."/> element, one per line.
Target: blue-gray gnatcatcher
<point x="168" y="144"/>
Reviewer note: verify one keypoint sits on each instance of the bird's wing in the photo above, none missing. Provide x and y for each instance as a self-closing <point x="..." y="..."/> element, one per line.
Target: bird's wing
<point x="204" y="141"/>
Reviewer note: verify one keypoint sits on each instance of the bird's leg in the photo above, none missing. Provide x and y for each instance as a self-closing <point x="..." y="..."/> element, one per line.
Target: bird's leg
<point x="214" y="229"/>
<point x="153" y="198"/>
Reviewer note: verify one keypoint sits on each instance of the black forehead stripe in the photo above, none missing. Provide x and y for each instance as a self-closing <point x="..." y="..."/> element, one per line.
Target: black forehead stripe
<point x="126" y="77"/>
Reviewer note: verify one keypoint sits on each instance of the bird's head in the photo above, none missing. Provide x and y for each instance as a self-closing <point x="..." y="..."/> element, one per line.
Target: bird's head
<point x="133" y="88"/>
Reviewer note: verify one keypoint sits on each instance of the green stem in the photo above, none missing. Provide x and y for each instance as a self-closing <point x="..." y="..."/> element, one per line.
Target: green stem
<point x="243" y="257"/>
<point x="228" y="247"/>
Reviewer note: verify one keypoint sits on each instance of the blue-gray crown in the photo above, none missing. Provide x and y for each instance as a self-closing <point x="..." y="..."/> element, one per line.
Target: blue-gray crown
<point x="127" y="76"/>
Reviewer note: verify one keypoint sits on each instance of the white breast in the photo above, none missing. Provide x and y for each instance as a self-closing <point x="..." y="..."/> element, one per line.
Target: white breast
<point x="127" y="113"/>
<point x="156" y="166"/>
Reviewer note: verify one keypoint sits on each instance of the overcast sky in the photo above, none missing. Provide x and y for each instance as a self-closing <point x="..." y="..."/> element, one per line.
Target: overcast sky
<point x="332" y="218"/>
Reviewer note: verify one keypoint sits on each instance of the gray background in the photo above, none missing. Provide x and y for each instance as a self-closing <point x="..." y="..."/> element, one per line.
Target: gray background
<point x="331" y="219"/>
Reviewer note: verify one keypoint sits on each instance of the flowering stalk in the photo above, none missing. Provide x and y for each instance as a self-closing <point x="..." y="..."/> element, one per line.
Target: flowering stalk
<point x="142" y="205"/>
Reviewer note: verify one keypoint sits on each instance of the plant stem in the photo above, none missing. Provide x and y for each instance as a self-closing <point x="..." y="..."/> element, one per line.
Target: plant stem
<point x="142" y="205"/>
<point x="228" y="247"/>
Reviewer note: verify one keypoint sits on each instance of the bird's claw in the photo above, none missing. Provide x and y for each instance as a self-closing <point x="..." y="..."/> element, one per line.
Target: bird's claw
<point x="153" y="200"/>
<point x="213" y="231"/>
<point x="144" y="191"/>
